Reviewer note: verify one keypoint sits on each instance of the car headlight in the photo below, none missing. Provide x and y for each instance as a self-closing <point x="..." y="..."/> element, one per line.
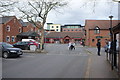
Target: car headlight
<point x="13" y="51"/>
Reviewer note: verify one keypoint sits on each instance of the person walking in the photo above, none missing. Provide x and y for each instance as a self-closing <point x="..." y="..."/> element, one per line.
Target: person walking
<point x="98" y="46"/>
<point x="69" y="46"/>
<point x="73" y="45"/>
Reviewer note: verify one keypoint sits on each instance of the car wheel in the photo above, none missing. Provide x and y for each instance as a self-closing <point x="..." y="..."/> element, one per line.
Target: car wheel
<point x="5" y="55"/>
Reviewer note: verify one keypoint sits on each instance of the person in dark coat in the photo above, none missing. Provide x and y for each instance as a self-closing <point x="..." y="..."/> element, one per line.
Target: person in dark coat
<point x="98" y="47"/>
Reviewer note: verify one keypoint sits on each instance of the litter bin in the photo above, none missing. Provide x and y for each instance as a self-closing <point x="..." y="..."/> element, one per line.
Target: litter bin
<point x="33" y="47"/>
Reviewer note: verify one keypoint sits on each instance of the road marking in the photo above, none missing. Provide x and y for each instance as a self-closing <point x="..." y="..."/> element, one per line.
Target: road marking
<point x="29" y="56"/>
<point x="88" y="52"/>
<point x="10" y="59"/>
<point x="87" y="73"/>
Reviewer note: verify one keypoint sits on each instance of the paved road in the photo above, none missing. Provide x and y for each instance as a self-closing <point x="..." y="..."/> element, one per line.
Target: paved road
<point x="59" y="62"/>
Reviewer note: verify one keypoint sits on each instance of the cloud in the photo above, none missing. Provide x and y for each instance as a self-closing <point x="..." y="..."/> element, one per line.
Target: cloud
<point x="75" y="14"/>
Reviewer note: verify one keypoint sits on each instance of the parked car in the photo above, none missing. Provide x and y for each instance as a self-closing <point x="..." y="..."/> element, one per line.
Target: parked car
<point x="31" y="40"/>
<point x="9" y="51"/>
<point x="25" y="45"/>
<point x="22" y="45"/>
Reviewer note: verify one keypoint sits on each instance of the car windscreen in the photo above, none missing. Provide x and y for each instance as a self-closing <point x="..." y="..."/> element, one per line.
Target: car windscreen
<point x="7" y="45"/>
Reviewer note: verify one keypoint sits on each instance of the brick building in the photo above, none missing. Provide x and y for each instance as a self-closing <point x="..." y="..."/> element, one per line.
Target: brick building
<point x="9" y="28"/>
<point x="72" y="28"/>
<point x="97" y="29"/>
<point x="28" y="31"/>
<point x="116" y="34"/>
<point x="64" y="37"/>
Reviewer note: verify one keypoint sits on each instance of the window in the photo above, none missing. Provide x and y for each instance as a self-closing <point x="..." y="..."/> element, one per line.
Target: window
<point x="68" y="30"/>
<point x="97" y="30"/>
<point x="52" y="26"/>
<point x="14" y="20"/>
<point x="72" y="30"/>
<point x="13" y="38"/>
<point x="56" y="29"/>
<point x="8" y="28"/>
<point x="64" y="30"/>
<point x="31" y="29"/>
<point x="8" y="39"/>
<point x="68" y="27"/>
<point x="20" y="30"/>
<point x="56" y="26"/>
<point x="93" y="40"/>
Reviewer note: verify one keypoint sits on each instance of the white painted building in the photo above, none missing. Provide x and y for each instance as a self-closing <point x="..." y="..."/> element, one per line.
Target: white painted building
<point x="55" y="27"/>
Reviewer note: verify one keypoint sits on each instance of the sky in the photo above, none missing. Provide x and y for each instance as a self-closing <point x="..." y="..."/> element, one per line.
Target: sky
<point x="77" y="11"/>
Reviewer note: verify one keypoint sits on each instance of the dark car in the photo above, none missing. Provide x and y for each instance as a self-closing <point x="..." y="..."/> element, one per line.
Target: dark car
<point x="24" y="45"/>
<point x="9" y="51"/>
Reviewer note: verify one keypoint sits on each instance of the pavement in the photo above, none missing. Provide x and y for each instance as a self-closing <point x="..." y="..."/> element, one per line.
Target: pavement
<point x="98" y="66"/>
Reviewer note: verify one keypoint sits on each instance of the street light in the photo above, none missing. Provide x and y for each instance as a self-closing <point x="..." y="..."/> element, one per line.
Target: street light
<point x="111" y="35"/>
<point x="116" y="1"/>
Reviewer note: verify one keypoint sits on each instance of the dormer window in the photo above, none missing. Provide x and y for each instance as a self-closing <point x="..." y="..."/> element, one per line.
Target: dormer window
<point x="97" y="30"/>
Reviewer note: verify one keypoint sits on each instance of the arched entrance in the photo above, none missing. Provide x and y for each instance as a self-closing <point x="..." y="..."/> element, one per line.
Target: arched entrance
<point x="66" y="39"/>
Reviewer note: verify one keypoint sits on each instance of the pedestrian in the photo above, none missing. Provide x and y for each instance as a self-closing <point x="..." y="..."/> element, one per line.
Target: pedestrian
<point x="83" y="43"/>
<point x="98" y="46"/>
<point x="73" y="45"/>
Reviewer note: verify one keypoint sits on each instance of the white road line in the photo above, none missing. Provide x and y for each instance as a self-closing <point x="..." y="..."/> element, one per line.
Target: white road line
<point x="87" y="73"/>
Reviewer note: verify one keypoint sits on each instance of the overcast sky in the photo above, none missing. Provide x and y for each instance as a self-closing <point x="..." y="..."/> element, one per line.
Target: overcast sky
<point x="76" y="12"/>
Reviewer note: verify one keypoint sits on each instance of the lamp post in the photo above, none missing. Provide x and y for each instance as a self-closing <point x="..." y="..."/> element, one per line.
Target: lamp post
<point x="112" y="45"/>
<point x="116" y="1"/>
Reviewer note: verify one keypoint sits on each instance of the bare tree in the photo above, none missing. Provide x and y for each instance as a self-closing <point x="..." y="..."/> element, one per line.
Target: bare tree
<point x="37" y="11"/>
<point x="95" y="3"/>
<point x="6" y="7"/>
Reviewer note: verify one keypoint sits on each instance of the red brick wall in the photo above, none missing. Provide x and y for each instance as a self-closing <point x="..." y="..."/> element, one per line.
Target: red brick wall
<point x="14" y="29"/>
<point x="30" y="27"/>
<point x="87" y="36"/>
<point x="1" y="33"/>
<point x="70" y="30"/>
<point x="103" y="33"/>
<point x="27" y="28"/>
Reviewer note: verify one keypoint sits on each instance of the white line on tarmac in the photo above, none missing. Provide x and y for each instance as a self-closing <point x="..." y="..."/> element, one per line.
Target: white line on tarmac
<point x="87" y="73"/>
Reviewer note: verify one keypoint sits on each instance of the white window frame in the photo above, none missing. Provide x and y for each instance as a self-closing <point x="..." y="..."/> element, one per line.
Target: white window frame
<point x="13" y="38"/>
<point x="57" y="30"/>
<point x="97" y="30"/>
<point x="7" y="40"/>
<point x="8" y="28"/>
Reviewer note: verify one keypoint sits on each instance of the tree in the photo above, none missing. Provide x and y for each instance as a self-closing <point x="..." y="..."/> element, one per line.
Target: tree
<point x="6" y="7"/>
<point x="37" y="11"/>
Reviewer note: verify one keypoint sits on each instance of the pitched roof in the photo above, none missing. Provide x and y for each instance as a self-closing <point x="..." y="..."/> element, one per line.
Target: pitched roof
<point x="102" y="24"/>
<point x="5" y="19"/>
<point x="29" y="33"/>
<point x="64" y="34"/>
